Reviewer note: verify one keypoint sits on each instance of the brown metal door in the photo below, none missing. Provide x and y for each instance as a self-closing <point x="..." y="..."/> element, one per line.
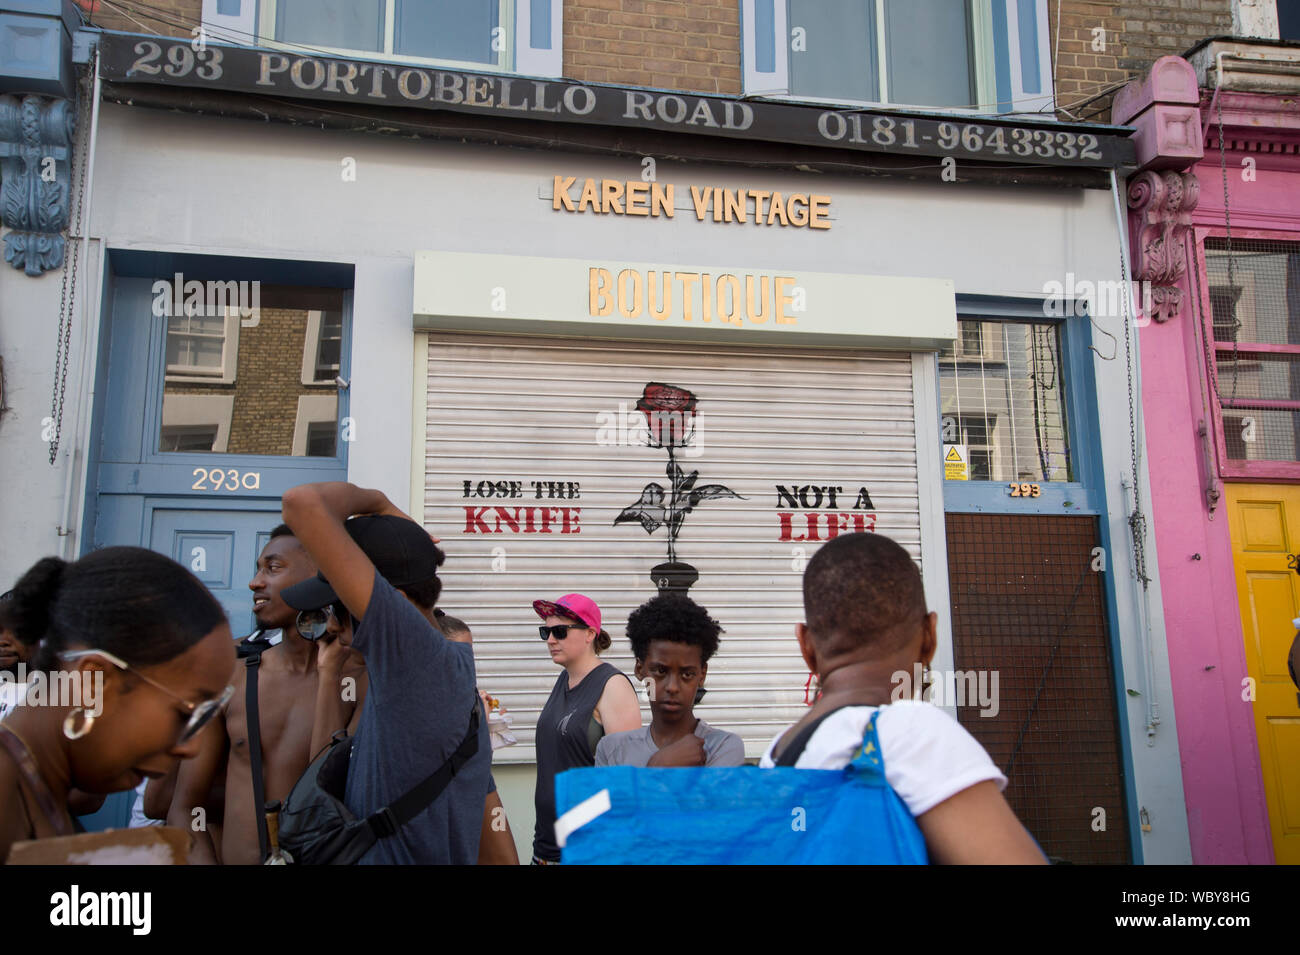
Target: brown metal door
<point x="1027" y="604"/>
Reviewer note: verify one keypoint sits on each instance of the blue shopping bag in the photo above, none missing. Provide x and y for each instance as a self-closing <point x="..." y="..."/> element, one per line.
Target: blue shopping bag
<point x="619" y="815"/>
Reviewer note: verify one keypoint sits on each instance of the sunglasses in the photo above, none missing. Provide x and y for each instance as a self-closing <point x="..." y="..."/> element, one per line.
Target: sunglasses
<point x="313" y="624"/>
<point x="559" y="631"/>
<point x="200" y="713"/>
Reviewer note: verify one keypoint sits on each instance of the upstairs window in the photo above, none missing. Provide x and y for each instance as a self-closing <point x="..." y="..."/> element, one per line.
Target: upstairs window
<point x="978" y="56"/>
<point x="520" y="36"/>
<point x="1254" y="301"/>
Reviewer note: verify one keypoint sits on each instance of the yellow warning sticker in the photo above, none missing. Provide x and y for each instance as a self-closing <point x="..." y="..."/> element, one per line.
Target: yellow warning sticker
<point x="955" y="463"/>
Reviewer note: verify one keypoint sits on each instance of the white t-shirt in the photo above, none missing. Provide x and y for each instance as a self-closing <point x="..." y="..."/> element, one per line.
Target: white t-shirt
<point x="928" y="755"/>
<point x="138" y="819"/>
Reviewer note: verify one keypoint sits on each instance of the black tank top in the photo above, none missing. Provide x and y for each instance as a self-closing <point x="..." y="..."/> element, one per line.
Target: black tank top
<point x="567" y="734"/>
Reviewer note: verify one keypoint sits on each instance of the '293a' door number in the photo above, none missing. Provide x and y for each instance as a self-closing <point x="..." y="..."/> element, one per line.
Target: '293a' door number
<point x="225" y="479"/>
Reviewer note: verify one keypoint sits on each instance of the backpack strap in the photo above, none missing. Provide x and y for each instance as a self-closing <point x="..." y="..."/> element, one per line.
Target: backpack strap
<point x="868" y="759"/>
<point x="794" y="749"/>
<point x="386" y="821"/>
<point x="251" y="650"/>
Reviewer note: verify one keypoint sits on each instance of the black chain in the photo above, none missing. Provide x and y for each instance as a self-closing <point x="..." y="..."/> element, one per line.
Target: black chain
<point x="63" y="347"/>
<point x="1137" y="521"/>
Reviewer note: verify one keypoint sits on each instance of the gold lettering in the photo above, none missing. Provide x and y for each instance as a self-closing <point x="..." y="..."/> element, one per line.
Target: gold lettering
<point x="818" y="217"/>
<point x="637" y="198"/>
<point x="652" y="293"/>
<point x="777" y="210"/>
<point x="759" y="198"/>
<point x="688" y="280"/>
<point x="560" y="193"/>
<point x="706" y="296"/>
<point x="590" y="195"/>
<point x="625" y="308"/>
<point x="762" y="315"/>
<point x="661" y="197"/>
<point x="799" y="217"/>
<point x="731" y="314"/>
<point x="701" y="200"/>
<point x="783" y="297"/>
<point x="611" y="195"/>
<point x="598" y="300"/>
<point x="736" y="204"/>
<point x="717" y="203"/>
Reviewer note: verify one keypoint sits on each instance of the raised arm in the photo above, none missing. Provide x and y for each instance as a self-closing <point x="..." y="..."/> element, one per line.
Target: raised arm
<point x="194" y="781"/>
<point x="977" y="827"/>
<point x="315" y="513"/>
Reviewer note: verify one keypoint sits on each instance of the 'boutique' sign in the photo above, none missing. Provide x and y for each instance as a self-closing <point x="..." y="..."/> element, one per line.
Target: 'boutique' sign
<point x="518" y="294"/>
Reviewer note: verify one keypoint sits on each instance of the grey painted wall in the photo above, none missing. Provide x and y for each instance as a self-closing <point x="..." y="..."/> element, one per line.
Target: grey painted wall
<point x="186" y="183"/>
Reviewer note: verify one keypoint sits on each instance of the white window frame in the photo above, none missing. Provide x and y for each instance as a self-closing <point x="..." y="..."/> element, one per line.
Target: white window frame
<point x="310" y="346"/>
<point x="311" y="410"/>
<point x="229" y="356"/>
<point x="254" y="25"/>
<point x="181" y="411"/>
<point x="776" y="84"/>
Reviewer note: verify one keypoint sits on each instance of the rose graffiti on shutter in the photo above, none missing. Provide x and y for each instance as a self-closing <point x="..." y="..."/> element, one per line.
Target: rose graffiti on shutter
<point x="671" y="413"/>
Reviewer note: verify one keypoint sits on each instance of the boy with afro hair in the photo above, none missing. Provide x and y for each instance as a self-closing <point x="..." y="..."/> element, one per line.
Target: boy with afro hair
<point x="672" y="639"/>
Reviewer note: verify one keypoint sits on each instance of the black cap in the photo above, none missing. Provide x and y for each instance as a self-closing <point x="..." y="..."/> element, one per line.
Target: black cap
<point x="401" y="550"/>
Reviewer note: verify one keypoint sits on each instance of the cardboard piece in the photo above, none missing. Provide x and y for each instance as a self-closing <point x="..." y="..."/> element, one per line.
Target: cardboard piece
<point x="149" y="845"/>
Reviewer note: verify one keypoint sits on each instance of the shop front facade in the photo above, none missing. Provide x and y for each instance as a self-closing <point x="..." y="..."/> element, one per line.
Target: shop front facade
<point x="475" y="320"/>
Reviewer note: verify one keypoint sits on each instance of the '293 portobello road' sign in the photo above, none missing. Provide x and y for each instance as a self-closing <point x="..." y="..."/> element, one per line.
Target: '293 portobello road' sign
<point x="130" y="59"/>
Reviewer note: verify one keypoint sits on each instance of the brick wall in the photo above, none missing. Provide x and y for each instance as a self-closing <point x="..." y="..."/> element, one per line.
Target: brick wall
<point x="268" y="383"/>
<point x="1135" y="36"/>
<point x="162" y="17"/>
<point x="694" y="45"/>
<point x="673" y="44"/>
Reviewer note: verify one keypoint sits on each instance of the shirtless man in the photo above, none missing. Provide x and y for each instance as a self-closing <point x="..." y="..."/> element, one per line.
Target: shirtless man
<point x="303" y="698"/>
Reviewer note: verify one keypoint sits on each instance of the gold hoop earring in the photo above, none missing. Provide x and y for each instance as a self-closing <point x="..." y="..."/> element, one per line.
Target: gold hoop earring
<point x="70" y="721"/>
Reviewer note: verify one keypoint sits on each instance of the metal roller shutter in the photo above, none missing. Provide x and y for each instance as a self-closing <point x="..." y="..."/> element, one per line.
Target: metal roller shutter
<point x="549" y="410"/>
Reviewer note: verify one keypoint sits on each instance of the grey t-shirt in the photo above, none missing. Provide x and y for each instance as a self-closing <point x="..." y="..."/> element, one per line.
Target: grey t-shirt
<point x="415" y="715"/>
<point x="635" y="747"/>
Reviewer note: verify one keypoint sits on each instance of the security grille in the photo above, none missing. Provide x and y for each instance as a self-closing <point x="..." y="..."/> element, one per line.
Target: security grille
<point x="1027" y="605"/>
<point x="780" y="427"/>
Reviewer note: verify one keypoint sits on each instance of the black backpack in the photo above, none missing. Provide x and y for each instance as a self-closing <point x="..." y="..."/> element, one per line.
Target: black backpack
<point x="316" y="828"/>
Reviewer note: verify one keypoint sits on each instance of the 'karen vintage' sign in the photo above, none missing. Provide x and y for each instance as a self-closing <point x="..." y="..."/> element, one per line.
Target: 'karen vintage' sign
<point x="159" y="60"/>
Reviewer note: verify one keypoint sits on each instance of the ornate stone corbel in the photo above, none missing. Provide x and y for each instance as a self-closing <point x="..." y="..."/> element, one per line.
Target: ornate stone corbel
<point x="35" y="179"/>
<point x="1161" y="204"/>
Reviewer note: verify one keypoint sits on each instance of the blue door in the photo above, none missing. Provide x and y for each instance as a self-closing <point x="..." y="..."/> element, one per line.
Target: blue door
<point x="218" y="396"/>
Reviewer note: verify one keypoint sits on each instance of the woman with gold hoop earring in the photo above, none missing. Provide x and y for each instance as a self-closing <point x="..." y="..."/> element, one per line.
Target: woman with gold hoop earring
<point x="133" y="657"/>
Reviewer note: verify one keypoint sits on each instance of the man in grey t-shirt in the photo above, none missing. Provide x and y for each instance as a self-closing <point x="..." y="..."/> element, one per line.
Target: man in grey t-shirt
<point x="672" y="639"/>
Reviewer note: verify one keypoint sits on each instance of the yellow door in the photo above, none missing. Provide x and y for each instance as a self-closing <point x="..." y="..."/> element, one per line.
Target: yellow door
<point x="1264" y="521"/>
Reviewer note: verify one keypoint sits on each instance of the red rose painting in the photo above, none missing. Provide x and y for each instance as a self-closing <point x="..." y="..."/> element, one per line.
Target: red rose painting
<point x="670" y="414"/>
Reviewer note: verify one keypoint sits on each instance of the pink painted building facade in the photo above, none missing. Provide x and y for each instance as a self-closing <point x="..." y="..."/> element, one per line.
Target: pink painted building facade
<point x="1220" y="366"/>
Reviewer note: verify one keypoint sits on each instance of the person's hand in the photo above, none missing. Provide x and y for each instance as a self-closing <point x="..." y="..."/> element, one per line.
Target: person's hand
<point x="687" y="751"/>
<point x="331" y="654"/>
